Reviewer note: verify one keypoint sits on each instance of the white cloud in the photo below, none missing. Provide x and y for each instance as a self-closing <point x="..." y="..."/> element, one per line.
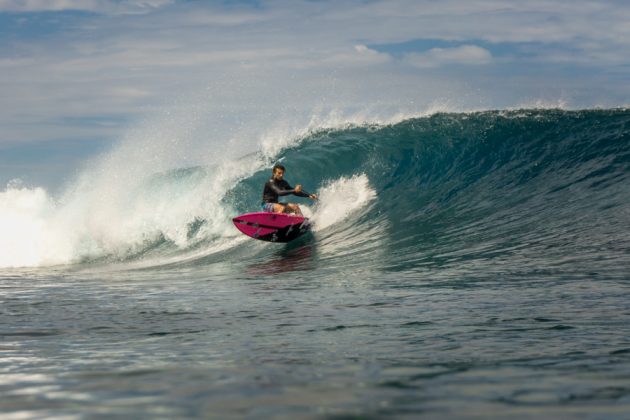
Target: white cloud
<point x="96" y="6"/>
<point x="130" y="92"/>
<point x="462" y="55"/>
<point x="359" y="55"/>
<point x="46" y="5"/>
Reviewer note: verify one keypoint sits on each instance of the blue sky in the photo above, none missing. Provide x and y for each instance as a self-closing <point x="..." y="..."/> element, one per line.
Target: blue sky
<point x="77" y="74"/>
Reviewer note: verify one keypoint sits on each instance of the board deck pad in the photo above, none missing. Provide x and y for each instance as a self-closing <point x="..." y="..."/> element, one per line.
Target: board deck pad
<point x="272" y="227"/>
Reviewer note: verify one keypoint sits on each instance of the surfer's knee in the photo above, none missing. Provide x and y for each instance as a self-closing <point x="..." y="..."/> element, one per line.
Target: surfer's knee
<point x="278" y="208"/>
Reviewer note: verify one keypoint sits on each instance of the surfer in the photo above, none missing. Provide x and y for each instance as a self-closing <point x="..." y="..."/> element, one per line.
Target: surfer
<point x="277" y="186"/>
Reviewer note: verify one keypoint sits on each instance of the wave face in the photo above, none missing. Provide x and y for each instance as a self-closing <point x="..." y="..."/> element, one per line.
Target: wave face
<point x="506" y="192"/>
<point x="502" y="191"/>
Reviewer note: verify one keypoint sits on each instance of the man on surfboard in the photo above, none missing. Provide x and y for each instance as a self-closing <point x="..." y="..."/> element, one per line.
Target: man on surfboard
<point x="276" y="187"/>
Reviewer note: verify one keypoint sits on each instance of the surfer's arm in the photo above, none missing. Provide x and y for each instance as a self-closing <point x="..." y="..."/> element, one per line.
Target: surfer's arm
<point x="280" y="191"/>
<point x="288" y="190"/>
<point x="300" y="192"/>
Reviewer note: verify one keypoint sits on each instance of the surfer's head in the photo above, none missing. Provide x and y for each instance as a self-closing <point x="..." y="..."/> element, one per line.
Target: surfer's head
<point x="277" y="171"/>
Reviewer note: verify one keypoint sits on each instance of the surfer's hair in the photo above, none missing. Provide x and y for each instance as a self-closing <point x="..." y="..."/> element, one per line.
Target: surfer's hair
<point x="277" y="166"/>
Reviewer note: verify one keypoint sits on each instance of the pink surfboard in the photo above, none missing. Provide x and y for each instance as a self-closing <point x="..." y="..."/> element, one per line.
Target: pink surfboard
<point x="272" y="227"/>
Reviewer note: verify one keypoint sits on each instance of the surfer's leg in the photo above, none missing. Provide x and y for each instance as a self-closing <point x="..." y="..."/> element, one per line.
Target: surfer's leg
<point x="293" y="208"/>
<point x="279" y="208"/>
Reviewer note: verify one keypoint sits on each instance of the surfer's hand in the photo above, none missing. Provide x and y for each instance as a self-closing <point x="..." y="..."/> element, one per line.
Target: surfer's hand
<point x="298" y="188"/>
<point x="313" y="196"/>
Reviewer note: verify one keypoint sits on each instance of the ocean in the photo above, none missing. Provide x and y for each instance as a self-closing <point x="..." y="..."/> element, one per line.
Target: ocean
<point x="461" y="265"/>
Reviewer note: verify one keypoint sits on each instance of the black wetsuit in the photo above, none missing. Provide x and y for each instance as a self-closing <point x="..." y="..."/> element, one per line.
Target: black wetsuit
<point x="274" y="189"/>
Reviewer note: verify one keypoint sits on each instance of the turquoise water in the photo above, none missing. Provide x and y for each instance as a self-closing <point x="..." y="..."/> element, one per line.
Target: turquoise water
<point x="462" y="266"/>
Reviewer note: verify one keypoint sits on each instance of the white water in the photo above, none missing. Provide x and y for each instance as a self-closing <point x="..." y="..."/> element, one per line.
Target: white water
<point x="340" y="199"/>
<point x="119" y="206"/>
<point x="29" y="234"/>
<point x="101" y="221"/>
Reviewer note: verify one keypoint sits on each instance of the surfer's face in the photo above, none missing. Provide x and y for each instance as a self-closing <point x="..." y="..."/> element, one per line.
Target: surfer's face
<point x="278" y="174"/>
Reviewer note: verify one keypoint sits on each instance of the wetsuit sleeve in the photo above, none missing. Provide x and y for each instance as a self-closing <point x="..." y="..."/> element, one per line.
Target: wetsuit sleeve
<point x="299" y="194"/>
<point x="279" y="191"/>
<point x="302" y="194"/>
<point x="284" y="189"/>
